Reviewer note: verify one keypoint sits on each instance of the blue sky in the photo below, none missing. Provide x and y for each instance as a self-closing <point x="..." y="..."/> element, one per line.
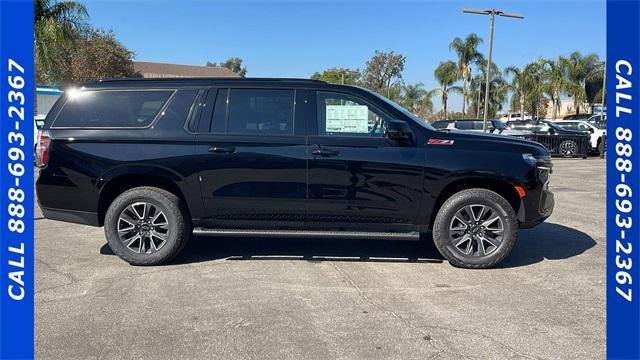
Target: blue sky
<point x="296" y="38"/>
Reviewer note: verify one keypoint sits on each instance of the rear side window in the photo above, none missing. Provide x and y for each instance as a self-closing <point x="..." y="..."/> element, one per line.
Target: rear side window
<point x="464" y="125"/>
<point x="112" y="108"/>
<point x="260" y="111"/>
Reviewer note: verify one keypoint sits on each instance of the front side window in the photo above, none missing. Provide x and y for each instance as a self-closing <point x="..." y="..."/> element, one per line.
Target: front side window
<point x="261" y="111"/>
<point x="346" y="115"/>
<point x="112" y="108"/>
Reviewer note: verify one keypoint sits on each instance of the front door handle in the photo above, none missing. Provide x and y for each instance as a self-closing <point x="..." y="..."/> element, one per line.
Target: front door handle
<point x="222" y="149"/>
<point x="325" y="152"/>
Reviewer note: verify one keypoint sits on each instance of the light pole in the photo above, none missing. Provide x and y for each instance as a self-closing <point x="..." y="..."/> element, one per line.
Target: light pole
<point x="493" y="13"/>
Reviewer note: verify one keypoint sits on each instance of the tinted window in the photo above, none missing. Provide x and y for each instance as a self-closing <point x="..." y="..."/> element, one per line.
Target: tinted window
<point x="583" y="127"/>
<point x="253" y="111"/>
<point x="464" y="125"/>
<point x="178" y="108"/>
<point x="112" y="108"/>
<point x="218" y="124"/>
<point x="214" y="112"/>
<point x="442" y="124"/>
<point x="346" y="115"/>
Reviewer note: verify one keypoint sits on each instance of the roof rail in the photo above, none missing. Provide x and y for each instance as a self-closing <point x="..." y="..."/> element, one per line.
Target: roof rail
<point x="239" y="79"/>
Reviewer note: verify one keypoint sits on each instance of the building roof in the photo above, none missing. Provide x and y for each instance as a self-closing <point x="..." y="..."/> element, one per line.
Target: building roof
<point x="153" y="69"/>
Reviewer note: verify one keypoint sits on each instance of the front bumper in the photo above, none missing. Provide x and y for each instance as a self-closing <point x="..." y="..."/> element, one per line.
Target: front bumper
<point x="535" y="215"/>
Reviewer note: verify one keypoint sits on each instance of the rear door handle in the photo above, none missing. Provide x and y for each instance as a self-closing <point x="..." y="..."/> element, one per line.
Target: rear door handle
<point x="325" y="152"/>
<point x="222" y="149"/>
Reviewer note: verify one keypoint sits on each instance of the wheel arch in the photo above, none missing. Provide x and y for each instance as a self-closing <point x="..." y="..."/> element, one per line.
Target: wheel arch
<point x="122" y="180"/>
<point x="501" y="186"/>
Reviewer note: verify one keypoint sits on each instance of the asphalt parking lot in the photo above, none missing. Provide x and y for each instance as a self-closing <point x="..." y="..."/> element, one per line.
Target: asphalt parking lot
<point x="314" y="299"/>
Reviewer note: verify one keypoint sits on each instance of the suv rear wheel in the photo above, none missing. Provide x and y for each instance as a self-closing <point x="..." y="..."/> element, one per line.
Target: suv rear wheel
<point x="475" y="228"/>
<point x="146" y="226"/>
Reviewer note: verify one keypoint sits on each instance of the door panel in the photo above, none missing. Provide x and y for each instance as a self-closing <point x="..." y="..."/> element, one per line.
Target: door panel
<point x="366" y="182"/>
<point x="258" y="181"/>
<point x="252" y="166"/>
<point x="358" y="177"/>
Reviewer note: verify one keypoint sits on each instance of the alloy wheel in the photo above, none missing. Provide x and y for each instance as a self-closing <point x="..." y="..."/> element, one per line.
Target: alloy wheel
<point x="568" y="148"/>
<point x="476" y="230"/>
<point x="143" y="228"/>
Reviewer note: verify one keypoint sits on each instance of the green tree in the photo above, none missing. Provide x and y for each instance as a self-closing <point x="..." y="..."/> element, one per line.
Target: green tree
<point x="338" y="76"/>
<point x="96" y="54"/>
<point x="412" y="97"/>
<point x="555" y="81"/>
<point x="56" y="24"/>
<point x="446" y="74"/>
<point x="579" y="69"/>
<point x="234" y="64"/>
<point x="518" y="86"/>
<point x="427" y="106"/>
<point x="497" y="90"/>
<point x="383" y="73"/>
<point x="468" y="54"/>
<point x="536" y="101"/>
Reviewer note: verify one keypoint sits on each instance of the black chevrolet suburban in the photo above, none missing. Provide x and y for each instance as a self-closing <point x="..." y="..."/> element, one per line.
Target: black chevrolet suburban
<point x="155" y="161"/>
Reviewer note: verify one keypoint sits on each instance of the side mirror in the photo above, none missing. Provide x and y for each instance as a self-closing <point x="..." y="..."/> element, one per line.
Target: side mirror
<point x="591" y="130"/>
<point x="398" y="130"/>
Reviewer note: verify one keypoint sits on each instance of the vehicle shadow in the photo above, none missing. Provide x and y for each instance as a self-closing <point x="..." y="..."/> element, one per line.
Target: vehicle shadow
<point x="546" y="241"/>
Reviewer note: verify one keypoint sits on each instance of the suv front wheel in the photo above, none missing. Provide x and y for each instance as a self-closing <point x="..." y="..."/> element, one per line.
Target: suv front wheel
<point x="146" y="226"/>
<point x="475" y="228"/>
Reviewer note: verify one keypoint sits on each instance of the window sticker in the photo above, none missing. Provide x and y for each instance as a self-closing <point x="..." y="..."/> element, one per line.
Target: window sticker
<point x="347" y="119"/>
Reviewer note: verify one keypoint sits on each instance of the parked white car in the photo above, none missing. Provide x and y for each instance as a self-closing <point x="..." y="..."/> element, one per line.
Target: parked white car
<point x="514" y="116"/>
<point x="596" y="130"/>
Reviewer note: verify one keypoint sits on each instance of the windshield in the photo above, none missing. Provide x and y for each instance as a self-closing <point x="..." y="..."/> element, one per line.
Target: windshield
<point x="401" y="109"/>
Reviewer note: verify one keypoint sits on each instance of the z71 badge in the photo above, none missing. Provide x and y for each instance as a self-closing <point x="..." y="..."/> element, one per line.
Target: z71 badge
<point x="439" y="142"/>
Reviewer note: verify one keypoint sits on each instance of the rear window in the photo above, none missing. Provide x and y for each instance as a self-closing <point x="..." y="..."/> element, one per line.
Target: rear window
<point x="112" y="108"/>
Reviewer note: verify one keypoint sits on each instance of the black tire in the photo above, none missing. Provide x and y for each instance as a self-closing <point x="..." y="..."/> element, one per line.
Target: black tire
<point x="178" y="226"/>
<point x="445" y="229"/>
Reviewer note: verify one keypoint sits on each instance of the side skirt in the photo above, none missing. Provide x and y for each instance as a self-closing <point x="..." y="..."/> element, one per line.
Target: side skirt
<point x="413" y="235"/>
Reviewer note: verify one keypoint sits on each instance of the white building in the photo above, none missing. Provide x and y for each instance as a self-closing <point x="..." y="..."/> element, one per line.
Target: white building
<point x="46" y="96"/>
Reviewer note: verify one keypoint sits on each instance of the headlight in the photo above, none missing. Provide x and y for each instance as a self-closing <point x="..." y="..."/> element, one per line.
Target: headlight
<point x="530" y="159"/>
<point x="535" y="159"/>
<point x="542" y="164"/>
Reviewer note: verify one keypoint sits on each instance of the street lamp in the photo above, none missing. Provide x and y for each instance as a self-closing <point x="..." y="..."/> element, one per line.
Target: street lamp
<point x="493" y="13"/>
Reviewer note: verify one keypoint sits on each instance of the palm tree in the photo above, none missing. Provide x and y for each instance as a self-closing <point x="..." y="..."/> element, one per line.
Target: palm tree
<point x="468" y="54"/>
<point x="518" y="85"/>
<point x="413" y="96"/>
<point x="426" y="107"/>
<point x="497" y="89"/>
<point x="579" y="69"/>
<point x="446" y="74"/>
<point x="56" y="23"/>
<point x="555" y="81"/>
<point x="535" y="86"/>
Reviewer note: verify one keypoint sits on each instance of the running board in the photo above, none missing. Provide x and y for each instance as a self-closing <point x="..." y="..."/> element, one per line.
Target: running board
<point x="413" y="235"/>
